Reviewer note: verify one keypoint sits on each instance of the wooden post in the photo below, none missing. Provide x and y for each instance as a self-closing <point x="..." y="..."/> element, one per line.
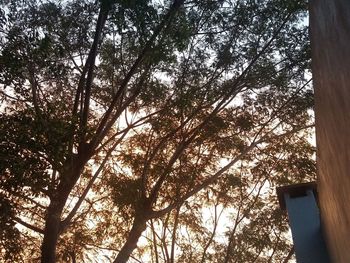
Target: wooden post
<point x="330" y="45"/>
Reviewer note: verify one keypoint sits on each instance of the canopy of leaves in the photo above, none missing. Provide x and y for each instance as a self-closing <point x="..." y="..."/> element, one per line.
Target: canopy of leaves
<point x="192" y="118"/>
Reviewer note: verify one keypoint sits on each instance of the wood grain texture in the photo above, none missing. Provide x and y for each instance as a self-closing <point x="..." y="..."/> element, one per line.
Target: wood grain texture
<point x="330" y="42"/>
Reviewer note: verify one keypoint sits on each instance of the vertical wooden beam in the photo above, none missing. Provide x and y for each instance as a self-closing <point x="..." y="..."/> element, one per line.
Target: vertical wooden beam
<point x="330" y="44"/>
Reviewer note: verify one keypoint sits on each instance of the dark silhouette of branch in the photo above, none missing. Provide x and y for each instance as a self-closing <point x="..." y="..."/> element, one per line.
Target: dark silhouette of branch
<point x="173" y="236"/>
<point x="27" y="225"/>
<point x="105" y="123"/>
<point x="67" y="220"/>
<point x="102" y="17"/>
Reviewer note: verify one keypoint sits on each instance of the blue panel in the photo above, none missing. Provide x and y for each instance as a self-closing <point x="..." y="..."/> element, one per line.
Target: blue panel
<point x="304" y="221"/>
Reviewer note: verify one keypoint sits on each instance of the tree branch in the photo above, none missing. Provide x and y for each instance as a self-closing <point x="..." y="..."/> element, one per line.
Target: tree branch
<point x="27" y="225"/>
<point x="102" y="18"/>
<point x="67" y="220"/>
<point x="214" y="177"/>
<point x="104" y="126"/>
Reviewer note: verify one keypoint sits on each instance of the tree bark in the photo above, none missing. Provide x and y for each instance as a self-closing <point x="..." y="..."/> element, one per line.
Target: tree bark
<point x="51" y="233"/>
<point x="53" y="224"/>
<point x="53" y="217"/>
<point x="139" y="225"/>
<point x="52" y="228"/>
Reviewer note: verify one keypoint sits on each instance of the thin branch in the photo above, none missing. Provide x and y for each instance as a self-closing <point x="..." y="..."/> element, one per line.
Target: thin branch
<point x="66" y="221"/>
<point x="232" y="234"/>
<point x="27" y="225"/>
<point x="102" y="18"/>
<point x="154" y="235"/>
<point x="96" y="140"/>
<point x="31" y="200"/>
<point x="173" y="238"/>
<point x="34" y="86"/>
<point x="131" y="126"/>
<point x="163" y="239"/>
<point x="211" y="238"/>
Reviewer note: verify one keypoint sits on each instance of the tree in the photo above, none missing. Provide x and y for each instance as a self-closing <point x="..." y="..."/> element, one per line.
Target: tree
<point x="154" y="104"/>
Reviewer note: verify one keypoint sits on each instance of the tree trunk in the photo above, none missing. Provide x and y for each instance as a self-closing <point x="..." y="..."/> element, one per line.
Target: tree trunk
<point x="139" y="225"/>
<point x="53" y="218"/>
<point x="51" y="232"/>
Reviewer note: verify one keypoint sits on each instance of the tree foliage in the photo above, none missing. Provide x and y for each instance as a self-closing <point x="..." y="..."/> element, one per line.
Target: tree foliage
<point x="151" y="130"/>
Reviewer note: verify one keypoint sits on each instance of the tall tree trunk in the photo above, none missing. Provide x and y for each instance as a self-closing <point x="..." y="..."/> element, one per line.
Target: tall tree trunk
<point x="139" y="225"/>
<point x="52" y="228"/>
<point x="53" y="217"/>
<point x="68" y="180"/>
<point x="51" y="233"/>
